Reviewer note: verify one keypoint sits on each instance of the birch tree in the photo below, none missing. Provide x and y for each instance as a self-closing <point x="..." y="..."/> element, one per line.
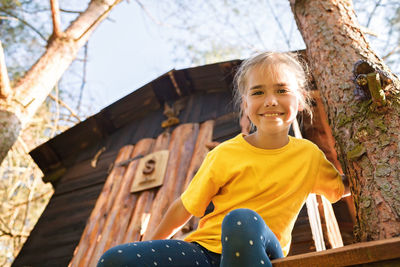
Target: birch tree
<point x="19" y="102"/>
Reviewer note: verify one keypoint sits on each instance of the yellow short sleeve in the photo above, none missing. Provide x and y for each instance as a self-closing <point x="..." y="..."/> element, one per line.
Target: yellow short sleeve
<point x="328" y="181"/>
<point x="202" y="188"/>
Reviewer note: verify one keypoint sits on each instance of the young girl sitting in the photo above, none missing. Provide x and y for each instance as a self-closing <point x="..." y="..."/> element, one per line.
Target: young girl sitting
<point x="257" y="183"/>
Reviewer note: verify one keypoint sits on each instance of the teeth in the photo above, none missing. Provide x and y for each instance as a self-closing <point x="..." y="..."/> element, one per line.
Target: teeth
<point x="271" y="114"/>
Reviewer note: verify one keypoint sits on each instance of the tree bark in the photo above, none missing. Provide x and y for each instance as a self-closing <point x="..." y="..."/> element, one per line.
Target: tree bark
<point x="32" y="89"/>
<point x="366" y="129"/>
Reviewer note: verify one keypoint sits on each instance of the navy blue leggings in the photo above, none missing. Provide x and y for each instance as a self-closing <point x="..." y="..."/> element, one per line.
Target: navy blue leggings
<point x="246" y="241"/>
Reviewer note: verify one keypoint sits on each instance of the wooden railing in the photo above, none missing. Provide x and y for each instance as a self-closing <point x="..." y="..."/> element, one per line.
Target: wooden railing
<point x="374" y="253"/>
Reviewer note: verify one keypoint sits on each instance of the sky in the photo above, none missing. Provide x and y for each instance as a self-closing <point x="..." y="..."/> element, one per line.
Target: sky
<point x="124" y="54"/>
<point x="130" y="49"/>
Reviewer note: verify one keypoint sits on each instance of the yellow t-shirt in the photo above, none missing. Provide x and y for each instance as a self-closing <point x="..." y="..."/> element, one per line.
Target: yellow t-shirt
<point x="273" y="182"/>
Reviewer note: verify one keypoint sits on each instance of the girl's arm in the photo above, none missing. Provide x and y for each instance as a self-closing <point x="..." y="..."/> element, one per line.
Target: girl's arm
<point x="175" y="217"/>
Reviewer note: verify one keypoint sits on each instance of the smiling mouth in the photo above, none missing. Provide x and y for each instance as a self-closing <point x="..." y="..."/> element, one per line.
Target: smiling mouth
<point x="271" y="114"/>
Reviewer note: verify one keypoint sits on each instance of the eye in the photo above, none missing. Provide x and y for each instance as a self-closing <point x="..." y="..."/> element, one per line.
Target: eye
<point x="282" y="91"/>
<point x="256" y="93"/>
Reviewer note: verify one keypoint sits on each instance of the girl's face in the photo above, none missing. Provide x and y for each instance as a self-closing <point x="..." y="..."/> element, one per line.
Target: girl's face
<point x="271" y="99"/>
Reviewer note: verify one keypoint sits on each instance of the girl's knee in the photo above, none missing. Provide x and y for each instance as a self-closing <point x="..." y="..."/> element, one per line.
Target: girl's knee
<point x="116" y="256"/>
<point x="242" y="217"/>
<point x="242" y="222"/>
<point x="108" y="257"/>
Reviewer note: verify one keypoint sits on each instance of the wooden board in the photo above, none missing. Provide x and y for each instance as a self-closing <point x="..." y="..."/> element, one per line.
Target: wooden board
<point x="103" y="204"/>
<point x="137" y="221"/>
<point x="226" y="126"/>
<point x="121" y="206"/>
<point x="62" y="222"/>
<point x="150" y="171"/>
<point x="181" y="148"/>
<point x="360" y="253"/>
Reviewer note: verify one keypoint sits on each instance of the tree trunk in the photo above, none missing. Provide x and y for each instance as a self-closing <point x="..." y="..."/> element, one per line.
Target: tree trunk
<point x="365" y="121"/>
<point x="31" y="90"/>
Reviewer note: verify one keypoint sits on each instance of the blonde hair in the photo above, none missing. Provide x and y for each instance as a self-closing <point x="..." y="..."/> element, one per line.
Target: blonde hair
<point x="268" y="59"/>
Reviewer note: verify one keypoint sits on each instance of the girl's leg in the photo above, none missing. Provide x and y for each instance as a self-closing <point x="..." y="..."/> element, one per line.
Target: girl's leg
<point x="247" y="240"/>
<point x="157" y="253"/>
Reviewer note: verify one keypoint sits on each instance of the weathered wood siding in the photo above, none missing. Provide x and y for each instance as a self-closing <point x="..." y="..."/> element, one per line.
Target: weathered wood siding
<point x="118" y="214"/>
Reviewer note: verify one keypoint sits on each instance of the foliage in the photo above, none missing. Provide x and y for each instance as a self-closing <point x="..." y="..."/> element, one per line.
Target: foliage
<point x="210" y="31"/>
<point x="25" y="27"/>
<point x="23" y="195"/>
<point x="382" y="19"/>
<point x="23" y="33"/>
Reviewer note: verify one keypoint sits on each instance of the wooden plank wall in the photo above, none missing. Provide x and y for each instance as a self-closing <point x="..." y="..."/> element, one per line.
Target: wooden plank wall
<point x="82" y="184"/>
<point x="58" y="230"/>
<point x="117" y="215"/>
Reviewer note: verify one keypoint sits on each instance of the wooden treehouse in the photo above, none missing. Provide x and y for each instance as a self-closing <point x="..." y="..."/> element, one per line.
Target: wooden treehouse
<point x="116" y="173"/>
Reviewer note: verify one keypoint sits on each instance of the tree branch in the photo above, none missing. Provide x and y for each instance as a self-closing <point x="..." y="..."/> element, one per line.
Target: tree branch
<point x="71" y="11"/>
<point x="62" y="103"/>
<point x="5" y="89"/>
<point x="394" y="50"/>
<point x="55" y="15"/>
<point x="228" y="23"/>
<point x="53" y="132"/>
<point x="83" y="77"/>
<point x="7" y="18"/>
<point x="100" y="18"/>
<point x="154" y="19"/>
<point x="10" y="234"/>
<point x="373" y="12"/>
<point x="24" y="22"/>
<point x="278" y="23"/>
<point x="33" y="88"/>
<point x="33" y="199"/>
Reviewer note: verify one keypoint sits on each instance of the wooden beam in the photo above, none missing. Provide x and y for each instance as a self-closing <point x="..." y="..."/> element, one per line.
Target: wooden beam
<point x="360" y="253"/>
<point x="97" y="219"/>
<point x="312" y="206"/>
<point x="181" y="147"/>
<point x="334" y="236"/>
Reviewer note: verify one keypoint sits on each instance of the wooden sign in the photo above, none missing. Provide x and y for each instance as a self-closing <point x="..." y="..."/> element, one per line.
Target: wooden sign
<point x="151" y="171"/>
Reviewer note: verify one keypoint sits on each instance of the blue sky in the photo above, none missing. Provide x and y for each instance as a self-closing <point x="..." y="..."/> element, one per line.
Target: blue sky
<point x="130" y="50"/>
<point x="124" y="54"/>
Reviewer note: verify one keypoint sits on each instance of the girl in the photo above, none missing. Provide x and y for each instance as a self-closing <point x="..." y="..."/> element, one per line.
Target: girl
<point x="257" y="183"/>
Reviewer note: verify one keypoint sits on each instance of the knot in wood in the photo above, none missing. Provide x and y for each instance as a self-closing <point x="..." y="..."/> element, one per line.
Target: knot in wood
<point x="370" y="82"/>
<point x="360" y="70"/>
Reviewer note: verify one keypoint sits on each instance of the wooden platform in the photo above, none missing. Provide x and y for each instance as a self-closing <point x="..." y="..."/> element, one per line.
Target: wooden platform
<point x="374" y="253"/>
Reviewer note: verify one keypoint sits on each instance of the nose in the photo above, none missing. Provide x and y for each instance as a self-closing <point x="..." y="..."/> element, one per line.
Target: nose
<point x="270" y="100"/>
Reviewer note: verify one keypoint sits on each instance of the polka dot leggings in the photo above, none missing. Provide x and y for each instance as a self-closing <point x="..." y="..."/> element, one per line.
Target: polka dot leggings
<point x="160" y="253"/>
<point x="246" y="241"/>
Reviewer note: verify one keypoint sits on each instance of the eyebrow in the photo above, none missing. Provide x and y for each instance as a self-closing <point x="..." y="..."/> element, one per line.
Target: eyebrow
<point x="256" y="87"/>
<point x="260" y="86"/>
<point x="281" y="84"/>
